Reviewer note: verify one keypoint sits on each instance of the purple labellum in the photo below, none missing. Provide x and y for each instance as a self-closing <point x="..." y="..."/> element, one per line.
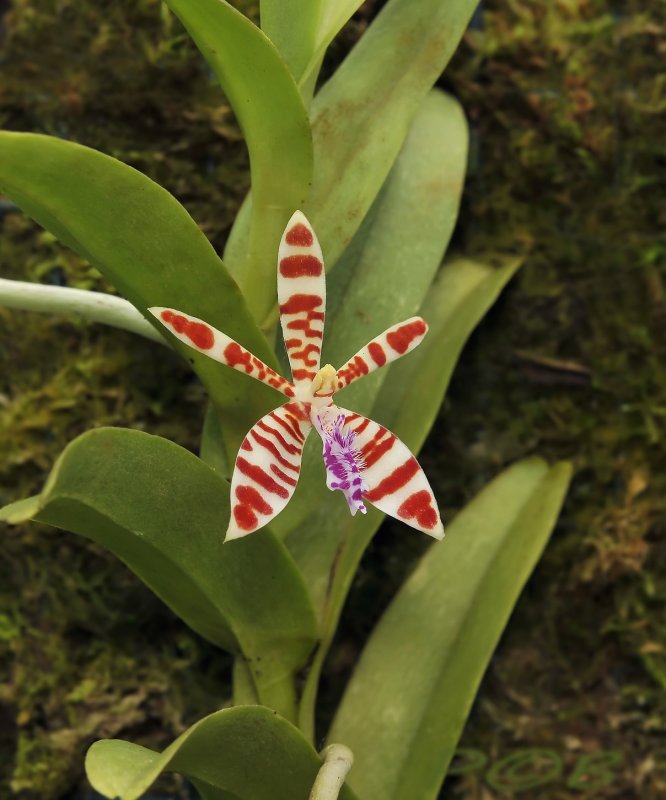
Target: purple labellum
<point x="343" y="462"/>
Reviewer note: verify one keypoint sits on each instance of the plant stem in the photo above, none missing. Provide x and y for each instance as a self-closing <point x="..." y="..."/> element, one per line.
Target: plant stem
<point x="338" y="760"/>
<point x="94" y="306"/>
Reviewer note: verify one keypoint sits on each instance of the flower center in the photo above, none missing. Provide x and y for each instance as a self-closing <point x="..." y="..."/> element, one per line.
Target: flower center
<point x="324" y="384"/>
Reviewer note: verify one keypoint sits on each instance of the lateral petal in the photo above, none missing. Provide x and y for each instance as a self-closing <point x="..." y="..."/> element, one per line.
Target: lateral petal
<point x="222" y="348"/>
<point x="301" y="285"/>
<point x="396" y="483"/>
<point x="267" y="468"/>
<point x="396" y="341"/>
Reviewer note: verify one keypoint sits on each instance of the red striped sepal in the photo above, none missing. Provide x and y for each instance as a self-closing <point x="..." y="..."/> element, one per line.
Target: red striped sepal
<point x="395" y="342"/>
<point x="396" y="483"/>
<point x="301" y="287"/>
<point x="267" y="468"/>
<point x="217" y="345"/>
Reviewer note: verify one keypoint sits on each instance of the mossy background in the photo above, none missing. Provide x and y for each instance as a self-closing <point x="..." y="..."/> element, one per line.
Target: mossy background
<point x="566" y="107"/>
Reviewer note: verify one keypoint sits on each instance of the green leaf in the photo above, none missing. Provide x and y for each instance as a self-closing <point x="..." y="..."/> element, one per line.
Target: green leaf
<point x="407" y="404"/>
<point x="292" y="27"/>
<point x="247" y="752"/>
<point x="405" y="707"/>
<point x="163" y="512"/>
<point x="302" y="30"/>
<point x="361" y="116"/>
<point x="147" y="245"/>
<point x="270" y="111"/>
<point x="332" y="17"/>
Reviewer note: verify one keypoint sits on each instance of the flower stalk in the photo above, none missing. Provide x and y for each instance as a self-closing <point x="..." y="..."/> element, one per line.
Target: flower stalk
<point x="93" y="306"/>
<point x="338" y="760"/>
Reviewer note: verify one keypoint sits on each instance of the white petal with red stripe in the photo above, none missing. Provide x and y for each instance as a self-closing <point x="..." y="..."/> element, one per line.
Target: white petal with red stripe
<point x="301" y="286"/>
<point x="396" y="341"/>
<point x="396" y="483"/>
<point x="217" y="345"/>
<point x="267" y="468"/>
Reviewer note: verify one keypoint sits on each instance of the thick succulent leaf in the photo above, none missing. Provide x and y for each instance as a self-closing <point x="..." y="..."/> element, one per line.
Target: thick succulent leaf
<point x="389" y="266"/>
<point x="462" y="294"/>
<point x="292" y="27"/>
<point x="332" y="18"/>
<point x="146" y="244"/>
<point x="361" y="116"/>
<point x="271" y="113"/>
<point x="247" y="753"/>
<point x="302" y="30"/>
<point x="163" y="512"/>
<point x="405" y="707"/>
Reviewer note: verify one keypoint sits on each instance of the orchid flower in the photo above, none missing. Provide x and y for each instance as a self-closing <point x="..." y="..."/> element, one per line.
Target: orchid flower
<point x="363" y="460"/>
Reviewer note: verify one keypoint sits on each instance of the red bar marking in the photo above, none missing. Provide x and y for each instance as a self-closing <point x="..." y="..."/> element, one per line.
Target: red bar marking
<point x="261" y="477"/>
<point x="249" y="496"/>
<point x="250" y="500"/>
<point x="300" y="411"/>
<point x="286" y="478"/>
<point x="302" y="355"/>
<point x="236" y="356"/>
<point x="396" y="480"/>
<point x="304" y="325"/>
<point x="246" y="444"/>
<point x="272" y="449"/>
<point x="377" y="353"/>
<point x="290" y="448"/>
<point x="353" y="369"/>
<point x="199" y="334"/>
<point x="301" y="266"/>
<point x="362" y="426"/>
<point x="289" y="425"/>
<point x="302" y="374"/>
<point x="299" y="236"/>
<point x="419" y="505"/>
<point x="245" y="518"/>
<point x="376" y="451"/>
<point x="401" y="338"/>
<point x="301" y="302"/>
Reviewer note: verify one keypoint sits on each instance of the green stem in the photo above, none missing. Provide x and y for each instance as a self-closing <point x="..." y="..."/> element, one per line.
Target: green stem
<point x="94" y="306"/>
<point x="280" y="695"/>
<point x="338" y="760"/>
<point x="244" y="689"/>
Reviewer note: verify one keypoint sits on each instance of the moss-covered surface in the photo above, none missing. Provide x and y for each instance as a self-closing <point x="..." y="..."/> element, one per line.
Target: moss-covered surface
<point x="564" y="101"/>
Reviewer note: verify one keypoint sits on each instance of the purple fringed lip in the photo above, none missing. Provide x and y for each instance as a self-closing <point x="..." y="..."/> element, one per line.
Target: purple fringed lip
<point x="344" y="463"/>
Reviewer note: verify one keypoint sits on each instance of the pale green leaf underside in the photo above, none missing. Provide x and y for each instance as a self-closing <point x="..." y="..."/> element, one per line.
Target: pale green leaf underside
<point x="404" y="708"/>
<point x="164" y="513"/>
<point x="247" y="752"/>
